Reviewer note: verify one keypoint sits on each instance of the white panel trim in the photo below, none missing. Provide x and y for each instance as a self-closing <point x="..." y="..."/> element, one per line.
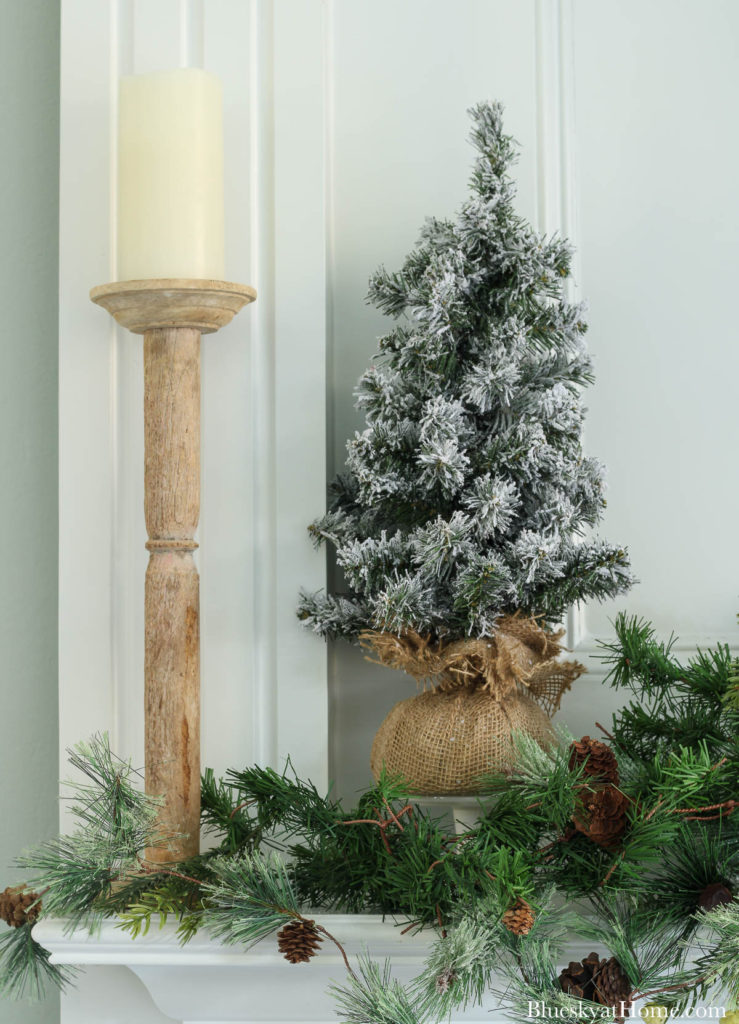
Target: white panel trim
<point x="329" y="103"/>
<point x="264" y="654"/>
<point x="87" y="374"/>
<point x="300" y="396"/>
<point x="548" y="116"/>
<point x="555" y="168"/>
<point x="192" y="33"/>
<point x="123" y="636"/>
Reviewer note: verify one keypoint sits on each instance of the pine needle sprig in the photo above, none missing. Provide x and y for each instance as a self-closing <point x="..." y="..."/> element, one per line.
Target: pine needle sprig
<point x="719" y="962"/>
<point x="112" y="806"/>
<point x="699" y="856"/>
<point x="510" y="822"/>
<point x="543" y="779"/>
<point x="282" y="799"/>
<point x="673" y="705"/>
<point x="117" y="823"/>
<point x="648" y="948"/>
<point x="529" y="977"/>
<point x="637" y="658"/>
<point x="74" y="874"/>
<point x="225" y="817"/>
<point x="251" y="896"/>
<point x="459" y="968"/>
<point x="26" y="970"/>
<point x="373" y="996"/>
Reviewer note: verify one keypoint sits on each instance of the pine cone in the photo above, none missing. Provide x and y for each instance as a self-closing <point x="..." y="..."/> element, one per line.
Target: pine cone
<point x="601" y="815"/>
<point x="299" y="941"/>
<point x="598" y="758"/>
<point x="714" y="895"/>
<point x="14" y="906"/>
<point x="601" y="981"/>
<point x="577" y="978"/>
<point x="519" y="918"/>
<point x="613" y="988"/>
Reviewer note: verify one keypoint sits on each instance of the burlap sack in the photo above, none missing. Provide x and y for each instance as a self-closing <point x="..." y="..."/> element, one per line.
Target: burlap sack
<point x="442" y="742"/>
<point x="482" y="689"/>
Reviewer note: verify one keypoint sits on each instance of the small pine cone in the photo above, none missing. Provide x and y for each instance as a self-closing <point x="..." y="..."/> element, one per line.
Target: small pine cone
<point x="577" y="978"/>
<point x="519" y="918"/>
<point x="299" y="941"/>
<point x="613" y="988"/>
<point x="15" y="904"/>
<point x="714" y="895"/>
<point x="601" y="815"/>
<point x="599" y="760"/>
<point x="445" y="980"/>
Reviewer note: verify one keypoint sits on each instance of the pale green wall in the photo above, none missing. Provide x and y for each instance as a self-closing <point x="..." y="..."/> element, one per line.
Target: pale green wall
<point x="29" y="163"/>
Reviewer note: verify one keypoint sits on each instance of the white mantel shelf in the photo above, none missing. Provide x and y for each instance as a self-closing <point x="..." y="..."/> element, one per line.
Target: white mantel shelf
<point x="205" y="982"/>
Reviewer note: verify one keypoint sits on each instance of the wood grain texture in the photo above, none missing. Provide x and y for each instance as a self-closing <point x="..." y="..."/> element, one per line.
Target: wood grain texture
<point x="172" y="697"/>
<point x="172" y="604"/>
<point x="173" y="302"/>
<point x="172" y="313"/>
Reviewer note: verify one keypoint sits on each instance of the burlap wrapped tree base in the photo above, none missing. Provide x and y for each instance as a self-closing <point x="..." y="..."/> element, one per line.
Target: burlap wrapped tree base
<point x="482" y="691"/>
<point x="443" y="742"/>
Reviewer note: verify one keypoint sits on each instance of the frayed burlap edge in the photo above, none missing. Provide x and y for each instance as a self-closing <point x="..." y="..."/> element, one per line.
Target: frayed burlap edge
<point x="519" y="653"/>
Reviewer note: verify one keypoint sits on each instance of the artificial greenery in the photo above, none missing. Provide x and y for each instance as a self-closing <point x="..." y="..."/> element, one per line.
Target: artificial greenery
<point x="468" y="496"/>
<point x="645" y="894"/>
<point x="25" y="967"/>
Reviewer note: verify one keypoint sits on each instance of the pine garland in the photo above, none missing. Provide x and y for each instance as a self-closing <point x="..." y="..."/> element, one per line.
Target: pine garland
<point x="644" y="901"/>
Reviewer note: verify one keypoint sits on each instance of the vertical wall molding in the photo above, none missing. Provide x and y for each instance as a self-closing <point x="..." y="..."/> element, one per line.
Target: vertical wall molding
<point x="300" y="353"/>
<point x="264" y="649"/>
<point x="329" y="104"/>
<point x="556" y="186"/>
<point x="192" y="33"/>
<point x="547" y="64"/>
<point x="86" y="380"/>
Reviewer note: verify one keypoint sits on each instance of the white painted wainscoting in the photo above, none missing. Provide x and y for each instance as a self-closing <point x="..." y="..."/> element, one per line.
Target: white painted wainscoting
<point x="345" y="125"/>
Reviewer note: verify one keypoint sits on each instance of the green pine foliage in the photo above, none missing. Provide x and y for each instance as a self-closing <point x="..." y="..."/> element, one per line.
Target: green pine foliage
<point x="373" y="996"/>
<point x="26" y="970"/>
<point x="250" y="897"/>
<point x="467" y="495"/>
<point x="674" y="705"/>
<point x="280" y="847"/>
<point x="116" y="823"/>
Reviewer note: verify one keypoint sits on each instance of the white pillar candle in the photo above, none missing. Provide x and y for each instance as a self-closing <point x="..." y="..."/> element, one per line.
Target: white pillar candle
<point x="170" y="176"/>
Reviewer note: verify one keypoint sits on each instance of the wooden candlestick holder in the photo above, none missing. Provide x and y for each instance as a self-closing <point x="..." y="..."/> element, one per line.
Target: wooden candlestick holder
<point x="172" y="314"/>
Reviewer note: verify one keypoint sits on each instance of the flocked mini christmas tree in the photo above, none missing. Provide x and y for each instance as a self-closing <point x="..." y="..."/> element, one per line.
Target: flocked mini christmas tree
<point x="467" y="495"/>
<point x="467" y="499"/>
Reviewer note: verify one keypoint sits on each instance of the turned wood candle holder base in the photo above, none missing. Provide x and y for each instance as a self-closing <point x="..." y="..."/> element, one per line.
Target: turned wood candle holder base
<point x="172" y="314"/>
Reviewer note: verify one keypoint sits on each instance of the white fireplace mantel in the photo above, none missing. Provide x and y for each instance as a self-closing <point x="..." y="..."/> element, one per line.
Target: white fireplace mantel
<point x="205" y="982"/>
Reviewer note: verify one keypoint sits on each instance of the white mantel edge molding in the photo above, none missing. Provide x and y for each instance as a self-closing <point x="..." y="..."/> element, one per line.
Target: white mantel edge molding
<point x="206" y="981"/>
<point x="258" y="985"/>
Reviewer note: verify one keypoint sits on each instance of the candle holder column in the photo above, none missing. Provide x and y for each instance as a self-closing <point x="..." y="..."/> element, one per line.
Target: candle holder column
<point x="172" y="315"/>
